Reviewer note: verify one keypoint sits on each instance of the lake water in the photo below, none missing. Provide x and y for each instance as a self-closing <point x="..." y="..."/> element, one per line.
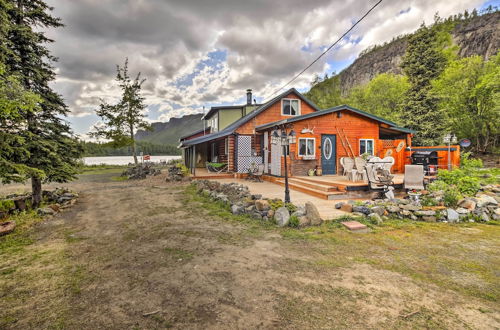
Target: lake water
<point x="123" y="160"/>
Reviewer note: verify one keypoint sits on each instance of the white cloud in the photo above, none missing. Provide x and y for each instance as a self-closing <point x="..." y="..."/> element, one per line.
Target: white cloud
<point x="265" y="43"/>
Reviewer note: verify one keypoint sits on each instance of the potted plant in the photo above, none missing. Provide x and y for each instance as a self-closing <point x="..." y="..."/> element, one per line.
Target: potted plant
<point x="414" y="195"/>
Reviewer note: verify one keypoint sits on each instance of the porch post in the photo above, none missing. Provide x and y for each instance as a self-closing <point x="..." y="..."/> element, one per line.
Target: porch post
<point x="194" y="160"/>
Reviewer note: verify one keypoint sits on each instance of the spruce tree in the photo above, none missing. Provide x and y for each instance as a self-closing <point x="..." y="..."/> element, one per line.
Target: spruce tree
<point x="422" y="63"/>
<point x="122" y="120"/>
<point x="52" y="148"/>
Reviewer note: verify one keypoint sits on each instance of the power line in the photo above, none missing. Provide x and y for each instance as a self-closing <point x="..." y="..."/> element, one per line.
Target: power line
<point x="328" y="49"/>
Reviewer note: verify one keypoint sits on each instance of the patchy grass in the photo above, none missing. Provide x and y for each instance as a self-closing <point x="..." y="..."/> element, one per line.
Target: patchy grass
<point x="36" y="280"/>
<point x="179" y="254"/>
<point x="102" y="169"/>
<point x="460" y="257"/>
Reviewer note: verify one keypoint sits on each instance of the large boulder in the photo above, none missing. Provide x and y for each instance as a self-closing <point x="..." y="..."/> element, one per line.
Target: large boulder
<point x="282" y="216"/>
<point x="237" y="209"/>
<point x="46" y="211"/>
<point x="313" y="214"/>
<point x="467" y="203"/>
<point x="484" y="200"/>
<point x="452" y="215"/>
<point x="361" y="209"/>
<point x="262" y="205"/>
<point x="393" y="209"/>
<point x="304" y="221"/>
<point x="426" y="213"/>
<point x="375" y="218"/>
<point x="380" y="210"/>
<point x="410" y="207"/>
<point x="346" y="208"/>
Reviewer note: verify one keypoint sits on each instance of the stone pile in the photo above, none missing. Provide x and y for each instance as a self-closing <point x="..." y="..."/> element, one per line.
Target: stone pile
<point x="481" y="208"/>
<point x="175" y="173"/>
<point x="55" y="201"/>
<point x="241" y="201"/>
<point x="141" y="171"/>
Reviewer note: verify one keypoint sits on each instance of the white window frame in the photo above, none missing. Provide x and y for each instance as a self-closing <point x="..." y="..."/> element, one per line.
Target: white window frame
<point x="373" y="146"/>
<point x="313" y="156"/>
<point x="298" y="110"/>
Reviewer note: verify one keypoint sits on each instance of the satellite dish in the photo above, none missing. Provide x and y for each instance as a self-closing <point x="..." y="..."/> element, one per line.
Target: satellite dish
<point x="464" y="143"/>
<point x="388" y="153"/>
<point x="400" y="146"/>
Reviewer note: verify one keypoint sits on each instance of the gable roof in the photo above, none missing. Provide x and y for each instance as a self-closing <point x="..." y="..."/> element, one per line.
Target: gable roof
<point x="201" y="130"/>
<point x="232" y="127"/>
<point x="392" y="125"/>
<point x="213" y="110"/>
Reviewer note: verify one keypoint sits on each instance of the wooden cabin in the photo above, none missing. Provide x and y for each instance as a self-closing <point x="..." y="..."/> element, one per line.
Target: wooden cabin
<point x="319" y="139"/>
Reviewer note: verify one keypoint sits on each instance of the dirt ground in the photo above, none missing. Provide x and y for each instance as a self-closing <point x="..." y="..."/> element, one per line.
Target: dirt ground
<point x="146" y="255"/>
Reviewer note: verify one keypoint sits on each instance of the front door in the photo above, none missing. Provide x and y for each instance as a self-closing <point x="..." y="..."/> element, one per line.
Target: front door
<point x="328" y="153"/>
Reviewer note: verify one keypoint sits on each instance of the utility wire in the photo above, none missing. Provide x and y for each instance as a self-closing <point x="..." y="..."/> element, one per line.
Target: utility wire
<point x="327" y="50"/>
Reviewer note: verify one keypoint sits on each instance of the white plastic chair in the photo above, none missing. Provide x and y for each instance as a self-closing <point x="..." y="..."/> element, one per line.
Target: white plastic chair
<point x="388" y="163"/>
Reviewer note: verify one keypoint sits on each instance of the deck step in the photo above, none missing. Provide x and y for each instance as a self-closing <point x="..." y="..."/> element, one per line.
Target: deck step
<point x="313" y="185"/>
<point x="339" y="186"/>
<point x="328" y="195"/>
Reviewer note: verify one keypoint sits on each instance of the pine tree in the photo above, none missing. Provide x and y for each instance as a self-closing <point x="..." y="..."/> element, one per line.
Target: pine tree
<point x="52" y="148"/>
<point x="422" y="63"/>
<point x="122" y="120"/>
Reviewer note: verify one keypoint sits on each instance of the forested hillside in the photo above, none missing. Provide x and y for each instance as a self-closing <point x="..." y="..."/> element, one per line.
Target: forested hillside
<point x="441" y="78"/>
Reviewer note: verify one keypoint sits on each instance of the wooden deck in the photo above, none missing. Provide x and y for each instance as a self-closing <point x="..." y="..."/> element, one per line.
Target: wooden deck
<point x="204" y="174"/>
<point x="346" y="185"/>
<point x="329" y="187"/>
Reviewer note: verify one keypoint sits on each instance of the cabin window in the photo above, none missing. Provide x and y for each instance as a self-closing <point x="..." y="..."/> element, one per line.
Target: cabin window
<point x="307" y="147"/>
<point x="226" y="146"/>
<point x="366" y="146"/>
<point x="290" y="107"/>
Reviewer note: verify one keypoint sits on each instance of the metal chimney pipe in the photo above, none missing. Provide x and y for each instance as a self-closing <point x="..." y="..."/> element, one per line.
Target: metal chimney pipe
<point x="249" y="97"/>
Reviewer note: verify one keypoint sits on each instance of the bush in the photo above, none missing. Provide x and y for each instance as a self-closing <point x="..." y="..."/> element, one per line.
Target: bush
<point x="183" y="168"/>
<point x="277" y="203"/>
<point x="437" y="185"/>
<point x="451" y="177"/>
<point x="470" y="163"/>
<point x="6" y="205"/>
<point x="451" y="197"/>
<point x="294" y="221"/>
<point x="468" y="186"/>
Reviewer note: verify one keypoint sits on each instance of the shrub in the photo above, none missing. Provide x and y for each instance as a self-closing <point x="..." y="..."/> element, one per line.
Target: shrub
<point x="468" y="186"/>
<point x="428" y="201"/>
<point x="451" y="177"/>
<point x="183" y="168"/>
<point x="291" y="207"/>
<point x="451" y="197"/>
<point x="437" y="185"/>
<point x="294" y="221"/>
<point x="467" y="162"/>
<point x="276" y="204"/>
<point x="6" y="205"/>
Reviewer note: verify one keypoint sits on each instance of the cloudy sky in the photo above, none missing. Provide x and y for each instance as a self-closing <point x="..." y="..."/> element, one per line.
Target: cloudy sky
<point x="197" y="53"/>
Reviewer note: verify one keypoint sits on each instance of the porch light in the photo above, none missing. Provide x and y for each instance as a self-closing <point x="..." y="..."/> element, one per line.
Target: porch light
<point x="275" y="134"/>
<point x="449" y="139"/>
<point x="292" y="133"/>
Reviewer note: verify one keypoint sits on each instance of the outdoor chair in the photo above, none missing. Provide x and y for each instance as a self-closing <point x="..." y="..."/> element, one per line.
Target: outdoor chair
<point x="414" y="177"/>
<point x="255" y="173"/>
<point x="216" y="167"/>
<point x="374" y="182"/>
<point x="388" y="162"/>
<point x="360" y="168"/>
<point x="347" y="165"/>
